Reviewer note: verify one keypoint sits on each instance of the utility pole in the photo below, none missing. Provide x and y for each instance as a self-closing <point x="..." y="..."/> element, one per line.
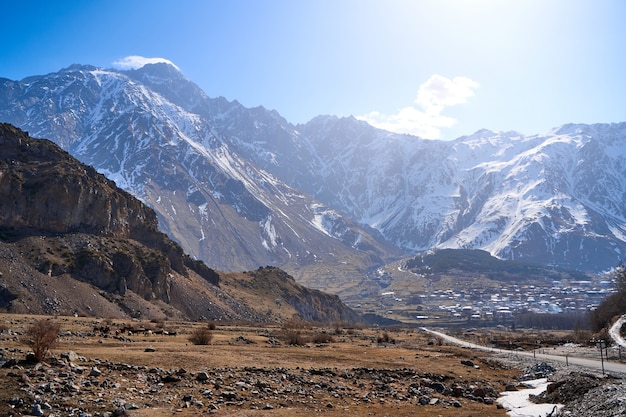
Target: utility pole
<point x="601" y="357"/>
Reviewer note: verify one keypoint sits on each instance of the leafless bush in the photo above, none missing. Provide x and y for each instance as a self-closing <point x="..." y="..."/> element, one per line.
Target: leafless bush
<point x="42" y="336"/>
<point x="292" y="332"/>
<point x="437" y="341"/>
<point x="211" y="325"/>
<point x="385" y="338"/>
<point x="294" y="337"/>
<point x="201" y="336"/>
<point x="322" y="338"/>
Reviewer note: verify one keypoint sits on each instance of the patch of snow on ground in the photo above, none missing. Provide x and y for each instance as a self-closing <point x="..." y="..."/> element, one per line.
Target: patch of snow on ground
<point x="519" y="405"/>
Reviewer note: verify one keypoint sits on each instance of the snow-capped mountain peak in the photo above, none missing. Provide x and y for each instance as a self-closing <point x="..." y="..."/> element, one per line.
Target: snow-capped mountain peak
<point x="243" y="187"/>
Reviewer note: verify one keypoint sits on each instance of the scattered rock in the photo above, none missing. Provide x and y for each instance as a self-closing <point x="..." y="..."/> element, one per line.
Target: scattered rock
<point x="566" y="390"/>
<point x="170" y="379"/>
<point x="243" y="340"/>
<point x="229" y="395"/>
<point x="70" y="356"/>
<point x="438" y="386"/>
<point x="539" y="370"/>
<point x="100" y="382"/>
<point x="95" y="372"/>
<point x="479" y="392"/>
<point x="202" y="376"/>
<point x="36" y="410"/>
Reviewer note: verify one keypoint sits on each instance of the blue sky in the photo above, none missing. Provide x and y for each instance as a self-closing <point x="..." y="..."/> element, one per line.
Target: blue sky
<point x="436" y="68"/>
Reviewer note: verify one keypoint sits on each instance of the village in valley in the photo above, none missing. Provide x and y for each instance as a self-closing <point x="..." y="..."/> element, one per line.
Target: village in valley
<point x="482" y="305"/>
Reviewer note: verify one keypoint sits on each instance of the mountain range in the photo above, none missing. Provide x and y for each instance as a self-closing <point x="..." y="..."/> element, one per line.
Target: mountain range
<point x="331" y="200"/>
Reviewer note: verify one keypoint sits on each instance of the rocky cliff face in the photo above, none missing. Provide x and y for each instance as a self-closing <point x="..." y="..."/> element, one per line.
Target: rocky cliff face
<point x="47" y="194"/>
<point x="72" y="242"/>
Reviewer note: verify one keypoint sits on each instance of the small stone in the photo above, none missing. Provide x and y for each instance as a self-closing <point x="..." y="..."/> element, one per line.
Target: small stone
<point x="438" y="386"/>
<point x="229" y="395"/>
<point x="10" y="363"/>
<point x="150" y="349"/>
<point x="95" y="372"/>
<point x="70" y="356"/>
<point x="36" y="410"/>
<point x="170" y="378"/>
<point x="202" y="376"/>
<point x="479" y="392"/>
<point x="16" y="402"/>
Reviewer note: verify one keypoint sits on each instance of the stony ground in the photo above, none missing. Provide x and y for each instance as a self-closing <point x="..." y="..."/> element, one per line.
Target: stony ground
<point x="244" y="371"/>
<point x="114" y="368"/>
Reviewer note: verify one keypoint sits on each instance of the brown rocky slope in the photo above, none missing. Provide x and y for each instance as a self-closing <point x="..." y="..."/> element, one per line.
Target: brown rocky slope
<point x="72" y="242"/>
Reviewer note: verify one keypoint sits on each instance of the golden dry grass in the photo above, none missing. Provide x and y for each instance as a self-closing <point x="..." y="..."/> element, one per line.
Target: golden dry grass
<point x="352" y="348"/>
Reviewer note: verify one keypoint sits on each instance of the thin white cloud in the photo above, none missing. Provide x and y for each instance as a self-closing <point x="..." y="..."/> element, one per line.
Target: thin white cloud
<point x="433" y="97"/>
<point x="136" y="62"/>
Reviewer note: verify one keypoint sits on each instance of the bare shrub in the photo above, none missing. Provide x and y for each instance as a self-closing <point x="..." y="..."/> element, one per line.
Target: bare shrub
<point x="201" y="336"/>
<point x="322" y="338"/>
<point x="42" y="336"/>
<point x="294" y="337"/>
<point x="211" y="325"/>
<point x="582" y="336"/>
<point x="292" y="332"/>
<point x="385" y="338"/>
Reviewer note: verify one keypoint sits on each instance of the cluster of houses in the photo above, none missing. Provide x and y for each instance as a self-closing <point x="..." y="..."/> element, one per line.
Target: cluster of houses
<point x="490" y="304"/>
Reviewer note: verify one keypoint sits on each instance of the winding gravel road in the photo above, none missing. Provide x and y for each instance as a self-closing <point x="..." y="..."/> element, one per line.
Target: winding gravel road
<point x="608" y="366"/>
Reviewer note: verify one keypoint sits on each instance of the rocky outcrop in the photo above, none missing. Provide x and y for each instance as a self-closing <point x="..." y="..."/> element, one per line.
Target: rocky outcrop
<point x="52" y="192"/>
<point x="310" y="305"/>
<point x="112" y="239"/>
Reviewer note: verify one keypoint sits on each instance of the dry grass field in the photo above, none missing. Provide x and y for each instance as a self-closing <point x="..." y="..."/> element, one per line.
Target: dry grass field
<point x="130" y="368"/>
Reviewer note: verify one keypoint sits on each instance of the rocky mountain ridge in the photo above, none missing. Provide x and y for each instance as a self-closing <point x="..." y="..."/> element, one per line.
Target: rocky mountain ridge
<point x="555" y="198"/>
<point x="317" y="199"/>
<point x="159" y="137"/>
<point x="72" y="242"/>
